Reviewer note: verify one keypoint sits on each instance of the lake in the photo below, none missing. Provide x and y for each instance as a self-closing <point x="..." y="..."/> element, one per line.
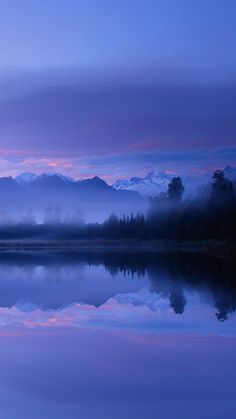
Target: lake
<point x="120" y="334"/>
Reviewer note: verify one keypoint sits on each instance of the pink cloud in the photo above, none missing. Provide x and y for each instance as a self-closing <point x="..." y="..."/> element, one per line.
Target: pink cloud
<point x="135" y="161"/>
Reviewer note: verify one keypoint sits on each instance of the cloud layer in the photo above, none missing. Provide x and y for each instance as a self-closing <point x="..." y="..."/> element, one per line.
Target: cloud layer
<point x="114" y="127"/>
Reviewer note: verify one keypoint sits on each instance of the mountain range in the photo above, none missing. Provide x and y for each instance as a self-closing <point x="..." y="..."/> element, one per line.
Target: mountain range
<point x="94" y="198"/>
<point x="156" y="182"/>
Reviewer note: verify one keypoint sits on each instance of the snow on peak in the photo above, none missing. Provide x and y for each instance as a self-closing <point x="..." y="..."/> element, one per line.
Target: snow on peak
<point x="59" y="175"/>
<point x="156" y="182"/>
<point x="25" y="178"/>
<point x="150" y="185"/>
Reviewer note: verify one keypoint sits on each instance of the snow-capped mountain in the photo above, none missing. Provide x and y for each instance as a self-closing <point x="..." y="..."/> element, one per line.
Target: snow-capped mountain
<point x="93" y="197"/>
<point x="27" y="178"/>
<point x="156" y="182"/>
<point x="150" y="185"/>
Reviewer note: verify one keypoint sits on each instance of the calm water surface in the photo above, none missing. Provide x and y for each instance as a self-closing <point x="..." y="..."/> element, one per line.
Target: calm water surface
<point x="117" y="335"/>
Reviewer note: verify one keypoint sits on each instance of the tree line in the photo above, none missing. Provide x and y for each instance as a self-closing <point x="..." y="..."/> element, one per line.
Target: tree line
<point x="172" y="217"/>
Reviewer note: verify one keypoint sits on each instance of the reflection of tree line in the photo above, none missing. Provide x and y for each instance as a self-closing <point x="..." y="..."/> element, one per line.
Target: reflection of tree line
<point x="170" y="274"/>
<point x="212" y="277"/>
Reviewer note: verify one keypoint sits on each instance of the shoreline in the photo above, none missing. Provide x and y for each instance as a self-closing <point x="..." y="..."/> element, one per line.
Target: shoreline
<point x="216" y="247"/>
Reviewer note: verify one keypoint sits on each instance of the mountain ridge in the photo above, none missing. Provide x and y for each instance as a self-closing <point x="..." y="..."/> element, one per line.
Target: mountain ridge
<point x="151" y="184"/>
<point x="156" y="182"/>
<point x="93" y="197"/>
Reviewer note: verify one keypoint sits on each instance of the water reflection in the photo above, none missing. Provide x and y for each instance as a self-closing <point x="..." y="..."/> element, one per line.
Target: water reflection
<point x="53" y="280"/>
<point x="116" y="334"/>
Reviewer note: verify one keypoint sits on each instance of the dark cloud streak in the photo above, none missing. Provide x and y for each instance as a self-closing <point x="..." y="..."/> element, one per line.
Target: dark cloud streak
<point x="93" y="118"/>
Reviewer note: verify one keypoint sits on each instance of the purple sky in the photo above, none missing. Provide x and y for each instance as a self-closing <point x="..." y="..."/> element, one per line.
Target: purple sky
<point x="115" y="90"/>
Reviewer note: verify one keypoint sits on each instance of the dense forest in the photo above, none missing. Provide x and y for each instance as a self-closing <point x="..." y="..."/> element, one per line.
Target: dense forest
<point x="211" y="215"/>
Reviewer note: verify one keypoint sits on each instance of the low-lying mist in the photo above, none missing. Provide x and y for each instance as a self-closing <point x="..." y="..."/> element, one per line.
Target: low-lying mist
<point x="210" y="215"/>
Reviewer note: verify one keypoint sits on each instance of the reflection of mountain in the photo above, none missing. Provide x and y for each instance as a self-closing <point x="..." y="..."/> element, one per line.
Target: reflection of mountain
<point x="54" y="286"/>
<point x="55" y="279"/>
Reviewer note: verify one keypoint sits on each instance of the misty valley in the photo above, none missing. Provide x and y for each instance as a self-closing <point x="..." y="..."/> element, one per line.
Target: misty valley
<point x="55" y="207"/>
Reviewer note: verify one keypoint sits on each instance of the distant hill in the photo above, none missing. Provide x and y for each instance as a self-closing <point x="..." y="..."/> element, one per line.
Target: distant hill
<point x="93" y="197"/>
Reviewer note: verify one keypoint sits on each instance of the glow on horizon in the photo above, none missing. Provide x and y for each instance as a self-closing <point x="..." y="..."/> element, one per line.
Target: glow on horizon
<point x="122" y="165"/>
<point x="89" y="88"/>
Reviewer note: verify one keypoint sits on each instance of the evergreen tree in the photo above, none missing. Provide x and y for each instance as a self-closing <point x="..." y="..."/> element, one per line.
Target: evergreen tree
<point x="175" y="189"/>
